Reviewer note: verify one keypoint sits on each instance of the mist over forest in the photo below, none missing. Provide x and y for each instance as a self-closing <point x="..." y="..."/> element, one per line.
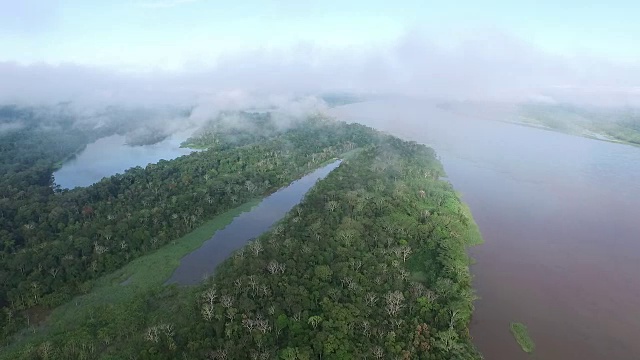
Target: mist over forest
<point x="318" y="180"/>
<point x="485" y="74"/>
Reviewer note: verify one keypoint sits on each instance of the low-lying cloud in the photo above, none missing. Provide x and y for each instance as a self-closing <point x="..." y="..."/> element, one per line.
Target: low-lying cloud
<point x="491" y="66"/>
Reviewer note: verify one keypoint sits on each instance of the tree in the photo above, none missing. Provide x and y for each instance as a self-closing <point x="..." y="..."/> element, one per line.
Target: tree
<point x="314" y="321"/>
<point x="323" y="272"/>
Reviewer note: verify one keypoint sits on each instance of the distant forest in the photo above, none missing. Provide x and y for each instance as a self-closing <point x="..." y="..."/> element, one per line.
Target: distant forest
<point x="621" y="124"/>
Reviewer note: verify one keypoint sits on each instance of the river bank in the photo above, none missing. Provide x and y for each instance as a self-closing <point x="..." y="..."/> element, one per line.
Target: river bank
<point x="146" y="275"/>
<point x="142" y="276"/>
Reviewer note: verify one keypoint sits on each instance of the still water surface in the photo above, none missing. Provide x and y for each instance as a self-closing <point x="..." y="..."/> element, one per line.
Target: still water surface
<point x="111" y="155"/>
<point x="560" y="216"/>
<point x="203" y="261"/>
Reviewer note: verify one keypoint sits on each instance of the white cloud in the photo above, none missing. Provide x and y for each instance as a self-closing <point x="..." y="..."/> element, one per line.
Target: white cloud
<point x="489" y="66"/>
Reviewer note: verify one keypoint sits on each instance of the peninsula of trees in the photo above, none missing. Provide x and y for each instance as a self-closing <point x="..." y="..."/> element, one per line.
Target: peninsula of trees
<point x="371" y="264"/>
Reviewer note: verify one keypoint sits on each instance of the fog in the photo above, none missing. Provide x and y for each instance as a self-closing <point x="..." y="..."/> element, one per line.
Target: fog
<point x="486" y="67"/>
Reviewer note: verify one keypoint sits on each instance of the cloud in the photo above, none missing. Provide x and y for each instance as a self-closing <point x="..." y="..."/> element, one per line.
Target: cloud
<point x="487" y="66"/>
<point x="285" y="108"/>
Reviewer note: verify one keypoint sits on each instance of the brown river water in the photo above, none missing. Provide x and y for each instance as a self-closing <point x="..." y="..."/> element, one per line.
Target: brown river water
<point x="560" y="216"/>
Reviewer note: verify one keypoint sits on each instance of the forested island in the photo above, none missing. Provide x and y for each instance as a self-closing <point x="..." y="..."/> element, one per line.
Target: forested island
<point x="619" y="124"/>
<point x="371" y="264"/>
<point x="609" y="124"/>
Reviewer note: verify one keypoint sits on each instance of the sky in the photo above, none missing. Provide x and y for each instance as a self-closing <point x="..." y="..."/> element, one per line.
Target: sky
<point x="351" y="45"/>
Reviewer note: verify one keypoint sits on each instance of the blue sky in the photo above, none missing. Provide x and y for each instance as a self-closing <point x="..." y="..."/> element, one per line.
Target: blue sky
<point x="172" y="34"/>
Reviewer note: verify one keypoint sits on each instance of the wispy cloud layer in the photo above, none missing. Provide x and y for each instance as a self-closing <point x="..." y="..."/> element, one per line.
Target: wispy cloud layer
<point x="489" y="66"/>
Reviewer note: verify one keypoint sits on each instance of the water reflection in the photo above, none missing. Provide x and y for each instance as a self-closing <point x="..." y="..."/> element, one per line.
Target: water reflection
<point x="110" y="155"/>
<point x="245" y="227"/>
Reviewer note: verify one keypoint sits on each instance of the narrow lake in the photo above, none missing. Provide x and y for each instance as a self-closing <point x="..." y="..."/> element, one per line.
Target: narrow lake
<point x="560" y="218"/>
<point x="111" y="155"/>
<point x="249" y="225"/>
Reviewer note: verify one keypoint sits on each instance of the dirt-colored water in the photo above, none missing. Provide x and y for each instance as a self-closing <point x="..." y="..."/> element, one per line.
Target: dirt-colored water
<point x="560" y="216"/>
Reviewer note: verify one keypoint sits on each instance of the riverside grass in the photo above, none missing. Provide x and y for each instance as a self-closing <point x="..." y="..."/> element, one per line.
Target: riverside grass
<point x="139" y="278"/>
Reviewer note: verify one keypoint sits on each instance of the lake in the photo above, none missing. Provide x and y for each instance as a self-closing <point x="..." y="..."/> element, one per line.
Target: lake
<point x="560" y="216"/>
<point x="249" y="225"/>
<point x="111" y="155"/>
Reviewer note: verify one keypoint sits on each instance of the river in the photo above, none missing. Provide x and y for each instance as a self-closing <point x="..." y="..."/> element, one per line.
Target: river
<point x="249" y="225"/>
<point x="560" y="216"/>
<point x="111" y="155"/>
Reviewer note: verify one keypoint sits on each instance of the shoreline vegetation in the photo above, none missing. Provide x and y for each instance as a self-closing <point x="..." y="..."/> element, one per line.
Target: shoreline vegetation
<point x="58" y="164"/>
<point x="188" y="145"/>
<point x="141" y="277"/>
<point x="587" y="134"/>
<point x="78" y="235"/>
<point x="522" y="337"/>
<point x="473" y="233"/>
<point x="380" y="229"/>
<point x="138" y="278"/>
<point x="372" y="262"/>
<point x="620" y="126"/>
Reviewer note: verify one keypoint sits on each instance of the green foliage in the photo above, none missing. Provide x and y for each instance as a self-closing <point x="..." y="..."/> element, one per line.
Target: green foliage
<point x="473" y="234"/>
<point x="233" y="129"/>
<point x="123" y="289"/>
<point x="372" y="263"/>
<point x="323" y="272"/>
<point x="519" y="331"/>
<point x="615" y="124"/>
<point x="337" y="278"/>
<point x="338" y="99"/>
<point x="54" y="243"/>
